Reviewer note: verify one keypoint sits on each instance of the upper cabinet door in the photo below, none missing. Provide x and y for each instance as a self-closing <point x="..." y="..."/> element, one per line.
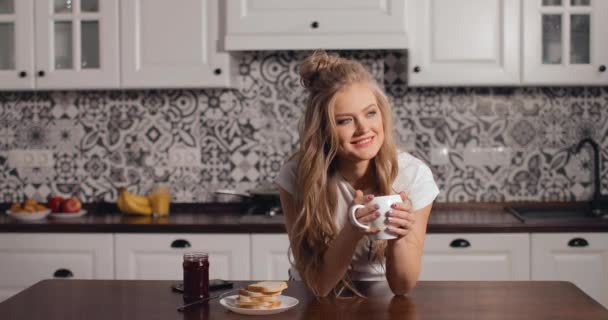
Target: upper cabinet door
<point x="77" y="44"/>
<point x="172" y="44"/>
<point x="464" y="42"/>
<point x="16" y="44"/>
<point x="315" y="24"/>
<point x="565" y="42"/>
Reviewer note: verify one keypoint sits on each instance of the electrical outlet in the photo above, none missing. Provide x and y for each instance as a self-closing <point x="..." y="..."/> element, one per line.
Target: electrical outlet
<point x="184" y="157"/>
<point x="31" y="158"/>
<point x="440" y="156"/>
<point x="494" y="156"/>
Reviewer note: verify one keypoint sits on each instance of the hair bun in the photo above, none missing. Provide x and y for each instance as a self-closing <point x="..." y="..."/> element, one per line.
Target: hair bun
<point x="314" y="65"/>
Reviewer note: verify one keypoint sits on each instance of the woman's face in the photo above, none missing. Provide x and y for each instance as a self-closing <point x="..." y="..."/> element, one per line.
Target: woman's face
<point x="358" y="123"/>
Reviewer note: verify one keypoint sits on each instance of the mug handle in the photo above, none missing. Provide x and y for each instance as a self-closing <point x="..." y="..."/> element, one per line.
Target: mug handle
<point x="353" y="218"/>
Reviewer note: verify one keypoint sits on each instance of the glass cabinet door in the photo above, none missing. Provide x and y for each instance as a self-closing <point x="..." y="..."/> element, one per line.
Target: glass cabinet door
<point x="565" y="42"/>
<point x="71" y="19"/>
<point x="16" y="44"/>
<point x="573" y="13"/>
<point x="77" y="43"/>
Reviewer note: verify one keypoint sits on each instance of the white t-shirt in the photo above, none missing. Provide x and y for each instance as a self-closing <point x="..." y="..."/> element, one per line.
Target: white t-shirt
<point x="414" y="177"/>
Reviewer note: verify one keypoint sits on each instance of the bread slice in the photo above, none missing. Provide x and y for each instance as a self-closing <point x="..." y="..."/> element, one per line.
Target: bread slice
<point x="257" y="305"/>
<point x="245" y="292"/>
<point x="257" y="299"/>
<point x="268" y="286"/>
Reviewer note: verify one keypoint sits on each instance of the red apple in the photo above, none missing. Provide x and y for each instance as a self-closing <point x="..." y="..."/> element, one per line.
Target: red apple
<point x="70" y="205"/>
<point x="54" y="203"/>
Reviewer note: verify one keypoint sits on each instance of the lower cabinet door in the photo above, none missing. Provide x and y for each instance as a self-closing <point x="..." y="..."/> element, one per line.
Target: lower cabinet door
<point x="269" y="256"/>
<point x="26" y="258"/>
<point x="476" y="257"/>
<point x="160" y="256"/>
<point x="581" y="258"/>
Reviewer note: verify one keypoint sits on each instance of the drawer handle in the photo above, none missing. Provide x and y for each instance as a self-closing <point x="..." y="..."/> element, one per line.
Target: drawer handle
<point x="314" y="25"/>
<point x="578" y="243"/>
<point x="460" y="243"/>
<point x="180" y="244"/>
<point x="63" y="273"/>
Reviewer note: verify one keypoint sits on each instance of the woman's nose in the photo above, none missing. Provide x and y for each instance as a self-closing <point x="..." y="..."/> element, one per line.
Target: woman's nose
<point x="362" y="126"/>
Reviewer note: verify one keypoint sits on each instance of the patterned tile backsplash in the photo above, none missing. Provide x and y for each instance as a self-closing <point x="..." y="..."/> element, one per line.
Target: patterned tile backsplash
<point x="101" y="140"/>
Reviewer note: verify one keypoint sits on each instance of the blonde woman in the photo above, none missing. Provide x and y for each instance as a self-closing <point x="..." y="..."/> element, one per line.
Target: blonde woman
<point x="346" y="157"/>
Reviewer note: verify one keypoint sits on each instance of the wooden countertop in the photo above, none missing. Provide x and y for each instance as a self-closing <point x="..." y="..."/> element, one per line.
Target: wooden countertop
<point x="229" y="218"/>
<point x="116" y="299"/>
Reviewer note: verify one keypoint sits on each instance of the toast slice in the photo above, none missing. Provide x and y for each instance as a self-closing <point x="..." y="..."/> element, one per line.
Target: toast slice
<point x="257" y="305"/>
<point x="245" y="292"/>
<point x="268" y="286"/>
<point x="257" y="299"/>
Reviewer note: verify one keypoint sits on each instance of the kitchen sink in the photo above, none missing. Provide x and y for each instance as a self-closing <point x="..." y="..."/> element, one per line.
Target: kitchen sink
<point x="532" y="213"/>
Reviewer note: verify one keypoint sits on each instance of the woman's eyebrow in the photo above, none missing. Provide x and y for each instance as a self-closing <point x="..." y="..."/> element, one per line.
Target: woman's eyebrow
<point x="350" y="114"/>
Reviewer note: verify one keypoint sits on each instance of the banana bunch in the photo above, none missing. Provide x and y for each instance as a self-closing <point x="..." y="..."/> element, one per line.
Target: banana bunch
<point x="156" y="202"/>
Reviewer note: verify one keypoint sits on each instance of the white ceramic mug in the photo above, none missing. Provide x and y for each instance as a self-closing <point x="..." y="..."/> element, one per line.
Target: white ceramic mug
<point x="384" y="203"/>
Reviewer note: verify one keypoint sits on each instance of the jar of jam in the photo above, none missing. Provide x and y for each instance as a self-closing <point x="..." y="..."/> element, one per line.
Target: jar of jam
<point x="196" y="276"/>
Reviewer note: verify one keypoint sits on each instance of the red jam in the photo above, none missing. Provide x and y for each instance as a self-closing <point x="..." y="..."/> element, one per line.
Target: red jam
<point x="196" y="276"/>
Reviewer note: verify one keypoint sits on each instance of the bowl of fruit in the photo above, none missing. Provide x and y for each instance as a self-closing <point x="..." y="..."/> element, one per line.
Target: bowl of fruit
<point x="65" y="208"/>
<point x="29" y="210"/>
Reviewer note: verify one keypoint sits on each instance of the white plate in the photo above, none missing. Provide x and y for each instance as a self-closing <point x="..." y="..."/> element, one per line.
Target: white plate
<point x="29" y="216"/>
<point x="286" y="304"/>
<point x="66" y="215"/>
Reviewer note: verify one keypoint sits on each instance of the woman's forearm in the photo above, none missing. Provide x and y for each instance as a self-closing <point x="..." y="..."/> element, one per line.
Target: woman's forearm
<point x="403" y="259"/>
<point x="336" y="260"/>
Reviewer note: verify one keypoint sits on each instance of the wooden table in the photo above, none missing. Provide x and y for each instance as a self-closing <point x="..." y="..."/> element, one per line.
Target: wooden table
<point x="131" y="300"/>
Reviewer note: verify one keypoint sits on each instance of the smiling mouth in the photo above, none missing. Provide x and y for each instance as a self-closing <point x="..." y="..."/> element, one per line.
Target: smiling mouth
<point x="363" y="142"/>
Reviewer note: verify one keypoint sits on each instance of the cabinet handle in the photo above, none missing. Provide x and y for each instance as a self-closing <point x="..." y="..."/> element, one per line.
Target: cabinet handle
<point x="217" y="71"/>
<point x="602" y="68"/>
<point x="416" y="69"/>
<point x="41" y="73"/>
<point x="314" y="25"/>
<point x="63" y="273"/>
<point x="22" y="74"/>
<point x="180" y="244"/>
<point x="578" y="243"/>
<point x="460" y="243"/>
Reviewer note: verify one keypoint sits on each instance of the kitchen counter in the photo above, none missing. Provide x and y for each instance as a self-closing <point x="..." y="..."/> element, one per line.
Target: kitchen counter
<point x="116" y="299"/>
<point x="229" y="218"/>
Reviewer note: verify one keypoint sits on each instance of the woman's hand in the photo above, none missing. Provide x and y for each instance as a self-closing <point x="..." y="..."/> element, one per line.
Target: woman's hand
<point x="365" y="215"/>
<point x="400" y="218"/>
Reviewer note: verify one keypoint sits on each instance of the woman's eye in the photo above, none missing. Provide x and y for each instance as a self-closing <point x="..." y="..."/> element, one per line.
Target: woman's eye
<point x="343" y="121"/>
<point x="371" y="114"/>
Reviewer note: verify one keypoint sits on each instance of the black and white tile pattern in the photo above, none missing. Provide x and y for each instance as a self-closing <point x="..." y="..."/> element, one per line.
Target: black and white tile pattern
<point x="102" y="140"/>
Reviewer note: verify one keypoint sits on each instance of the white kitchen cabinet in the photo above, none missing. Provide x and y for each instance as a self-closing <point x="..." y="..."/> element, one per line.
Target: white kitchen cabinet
<point x="464" y="42"/>
<point x="564" y="42"/>
<point x="476" y="257"/>
<point x="16" y="44"/>
<point x="26" y="258"/>
<point x="53" y="44"/>
<point x="160" y="256"/>
<point x="581" y="258"/>
<point x="269" y="256"/>
<point x="173" y="44"/>
<point x="76" y="44"/>
<point x="315" y="24"/>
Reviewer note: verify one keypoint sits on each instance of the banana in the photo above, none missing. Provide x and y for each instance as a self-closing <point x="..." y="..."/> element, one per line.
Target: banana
<point x="132" y="203"/>
<point x="136" y="199"/>
<point x="120" y="202"/>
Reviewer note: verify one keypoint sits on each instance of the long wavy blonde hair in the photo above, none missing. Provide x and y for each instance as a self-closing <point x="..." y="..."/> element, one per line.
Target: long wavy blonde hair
<point x="324" y="75"/>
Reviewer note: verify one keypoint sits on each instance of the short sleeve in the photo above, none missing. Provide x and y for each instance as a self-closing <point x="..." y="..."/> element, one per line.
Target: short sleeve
<point x="287" y="177"/>
<point x="424" y="189"/>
